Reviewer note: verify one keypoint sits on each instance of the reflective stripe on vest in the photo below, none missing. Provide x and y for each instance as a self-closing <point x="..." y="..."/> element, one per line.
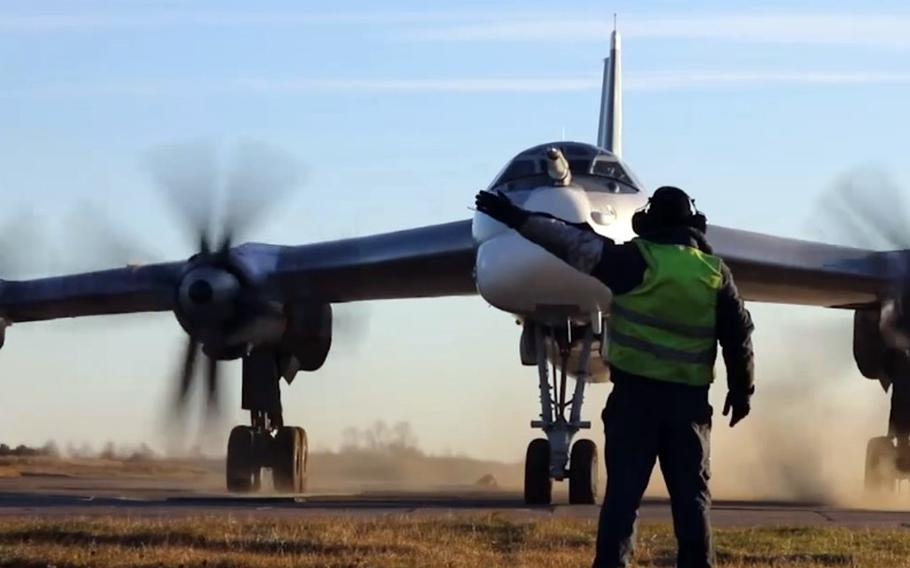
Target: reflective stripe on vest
<point x="664" y="329"/>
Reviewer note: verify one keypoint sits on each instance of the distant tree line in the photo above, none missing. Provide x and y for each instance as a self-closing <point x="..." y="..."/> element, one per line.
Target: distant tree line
<point x="380" y="438"/>
<point x="109" y="452"/>
<point x="49" y="449"/>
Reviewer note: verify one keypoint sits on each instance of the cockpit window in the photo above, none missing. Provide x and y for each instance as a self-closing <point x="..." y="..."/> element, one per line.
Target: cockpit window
<point x="519" y="169"/>
<point x="613" y="170"/>
<point x="592" y="168"/>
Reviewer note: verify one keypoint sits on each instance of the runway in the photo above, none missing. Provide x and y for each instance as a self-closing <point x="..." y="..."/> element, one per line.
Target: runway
<point x="49" y="496"/>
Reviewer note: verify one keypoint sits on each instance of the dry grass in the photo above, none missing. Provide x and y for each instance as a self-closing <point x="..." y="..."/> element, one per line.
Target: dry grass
<point x="455" y="541"/>
<point x="18" y="466"/>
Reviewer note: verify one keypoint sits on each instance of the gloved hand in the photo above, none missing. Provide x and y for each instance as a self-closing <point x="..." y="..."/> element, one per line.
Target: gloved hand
<point x="501" y="208"/>
<point x="738" y="403"/>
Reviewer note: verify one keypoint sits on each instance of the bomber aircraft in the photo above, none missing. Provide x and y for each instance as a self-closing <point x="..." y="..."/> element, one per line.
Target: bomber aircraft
<point x="271" y="305"/>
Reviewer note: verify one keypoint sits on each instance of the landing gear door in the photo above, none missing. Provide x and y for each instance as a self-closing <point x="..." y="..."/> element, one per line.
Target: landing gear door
<point x="527" y="347"/>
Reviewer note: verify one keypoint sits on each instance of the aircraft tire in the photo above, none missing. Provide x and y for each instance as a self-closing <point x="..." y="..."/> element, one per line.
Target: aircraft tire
<point x="881" y="464"/>
<point x="538" y="483"/>
<point x="241" y="470"/>
<point x="583" y="473"/>
<point x="290" y="461"/>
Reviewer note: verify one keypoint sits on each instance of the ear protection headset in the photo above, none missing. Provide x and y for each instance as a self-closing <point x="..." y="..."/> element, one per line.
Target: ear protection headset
<point x="649" y="219"/>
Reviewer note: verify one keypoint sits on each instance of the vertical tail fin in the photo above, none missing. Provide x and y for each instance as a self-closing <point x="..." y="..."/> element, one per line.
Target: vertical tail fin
<point x="609" y="131"/>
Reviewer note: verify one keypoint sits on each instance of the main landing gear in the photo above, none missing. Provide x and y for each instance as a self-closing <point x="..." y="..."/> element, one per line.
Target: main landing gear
<point x="887" y="461"/>
<point x="267" y="443"/>
<point x="888" y="457"/>
<point x="550" y="458"/>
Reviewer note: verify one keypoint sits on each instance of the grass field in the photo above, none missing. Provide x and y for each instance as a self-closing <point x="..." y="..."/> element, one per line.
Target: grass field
<point x="48" y="466"/>
<point x="455" y="541"/>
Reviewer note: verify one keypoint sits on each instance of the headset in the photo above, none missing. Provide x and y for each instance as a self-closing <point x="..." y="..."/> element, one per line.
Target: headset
<point x="644" y="221"/>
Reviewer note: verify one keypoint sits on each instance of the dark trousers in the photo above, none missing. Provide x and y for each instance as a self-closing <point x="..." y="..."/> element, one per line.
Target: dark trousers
<point x="645" y="420"/>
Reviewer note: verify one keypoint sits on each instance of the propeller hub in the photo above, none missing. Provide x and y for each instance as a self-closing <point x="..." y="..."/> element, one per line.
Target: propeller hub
<point x="200" y="292"/>
<point x="207" y="298"/>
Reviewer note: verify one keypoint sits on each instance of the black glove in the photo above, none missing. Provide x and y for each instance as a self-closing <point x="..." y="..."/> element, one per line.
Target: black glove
<point x="738" y="402"/>
<point x="499" y="207"/>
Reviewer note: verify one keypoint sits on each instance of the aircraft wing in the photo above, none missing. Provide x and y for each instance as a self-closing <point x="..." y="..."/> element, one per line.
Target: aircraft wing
<point x="439" y="261"/>
<point x="121" y="290"/>
<point x="792" y="271"/>
<point x="433" y="261"/>
<point x="430" y="261"/>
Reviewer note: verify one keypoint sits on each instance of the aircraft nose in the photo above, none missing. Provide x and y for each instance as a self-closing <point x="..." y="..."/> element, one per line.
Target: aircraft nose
<point x="567" y="203"/>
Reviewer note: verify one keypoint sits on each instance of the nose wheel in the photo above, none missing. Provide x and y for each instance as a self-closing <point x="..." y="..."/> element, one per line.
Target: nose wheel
<point x="583" y="473"/>
<point x="538" y="483"/>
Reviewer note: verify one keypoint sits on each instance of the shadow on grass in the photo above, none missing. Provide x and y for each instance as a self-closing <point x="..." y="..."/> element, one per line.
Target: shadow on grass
<point x="144" y="539"/>
<point x="816" y="559"/>
<point x="820" y="559"/>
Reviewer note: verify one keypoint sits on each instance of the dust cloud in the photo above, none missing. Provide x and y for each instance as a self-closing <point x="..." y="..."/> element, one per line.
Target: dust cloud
<point x="384" y="457"/>
<point x="812" y="416"/>
<point x="805" y="440"/>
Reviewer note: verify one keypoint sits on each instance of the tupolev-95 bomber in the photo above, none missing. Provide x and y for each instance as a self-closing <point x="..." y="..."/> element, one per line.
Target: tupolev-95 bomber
<point x="271" y="306"/>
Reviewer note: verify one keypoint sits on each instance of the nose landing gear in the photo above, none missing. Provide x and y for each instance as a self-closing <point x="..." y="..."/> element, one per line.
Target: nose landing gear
<point x="550" y="458"/>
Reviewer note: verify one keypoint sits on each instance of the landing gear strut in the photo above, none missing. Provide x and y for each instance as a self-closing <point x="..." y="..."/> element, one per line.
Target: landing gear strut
<point x="267" y="443"/>
<point x="549" y="458"/>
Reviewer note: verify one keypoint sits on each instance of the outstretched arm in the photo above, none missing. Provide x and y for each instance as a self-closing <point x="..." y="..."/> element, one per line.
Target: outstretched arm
<point x="575" y="244"/>
<point x="620" y="267"/>
<point x="580" y="248"/>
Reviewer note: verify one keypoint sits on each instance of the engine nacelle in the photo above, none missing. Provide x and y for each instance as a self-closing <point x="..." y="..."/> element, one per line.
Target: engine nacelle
<point x="894" y="320"/>
<point x="869" y="343"/>
<point x="307" y="339"/>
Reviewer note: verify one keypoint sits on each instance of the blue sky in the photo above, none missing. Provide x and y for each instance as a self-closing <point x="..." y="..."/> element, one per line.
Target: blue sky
<point x="400" y="115"/>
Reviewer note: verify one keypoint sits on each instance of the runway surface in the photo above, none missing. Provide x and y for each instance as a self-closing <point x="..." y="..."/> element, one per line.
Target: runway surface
<point x="63" y="496"/>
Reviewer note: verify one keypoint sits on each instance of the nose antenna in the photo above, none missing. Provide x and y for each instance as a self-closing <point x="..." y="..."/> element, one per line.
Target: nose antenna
<point x="558" y="167"/>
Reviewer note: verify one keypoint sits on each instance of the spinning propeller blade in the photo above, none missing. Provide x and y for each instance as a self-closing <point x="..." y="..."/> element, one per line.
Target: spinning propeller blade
<point x="864" y="208"/>
<point x="217" y="201"/>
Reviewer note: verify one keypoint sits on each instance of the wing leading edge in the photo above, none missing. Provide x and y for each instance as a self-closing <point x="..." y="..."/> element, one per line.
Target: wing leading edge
<point x="430" y="261"/>
<point x="437" y="261"/>
<point x="792" y="271"/>
<point x="125" y="290"/>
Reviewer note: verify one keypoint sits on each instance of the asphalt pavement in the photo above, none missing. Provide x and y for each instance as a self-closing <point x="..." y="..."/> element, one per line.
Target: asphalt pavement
<point x="63" y="496"/>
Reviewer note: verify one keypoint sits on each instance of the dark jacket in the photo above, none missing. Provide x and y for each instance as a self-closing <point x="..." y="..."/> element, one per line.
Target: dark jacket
<point x="622" y="268"/>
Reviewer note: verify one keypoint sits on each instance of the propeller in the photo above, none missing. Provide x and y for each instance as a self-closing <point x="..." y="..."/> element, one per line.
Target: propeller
<point x="218" y="200"/>
<point x="866" y="208"/>
<point x="17" y="260"/>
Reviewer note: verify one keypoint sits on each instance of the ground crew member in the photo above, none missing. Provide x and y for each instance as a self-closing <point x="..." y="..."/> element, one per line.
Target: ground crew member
<point x="673" y="301"/>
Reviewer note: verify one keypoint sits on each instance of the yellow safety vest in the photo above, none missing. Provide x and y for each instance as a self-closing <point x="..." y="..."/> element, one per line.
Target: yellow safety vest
<point x="664" y="329"/>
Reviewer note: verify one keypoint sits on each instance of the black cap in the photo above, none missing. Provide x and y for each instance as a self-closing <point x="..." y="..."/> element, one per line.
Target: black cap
<point x="670" y="206"/>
